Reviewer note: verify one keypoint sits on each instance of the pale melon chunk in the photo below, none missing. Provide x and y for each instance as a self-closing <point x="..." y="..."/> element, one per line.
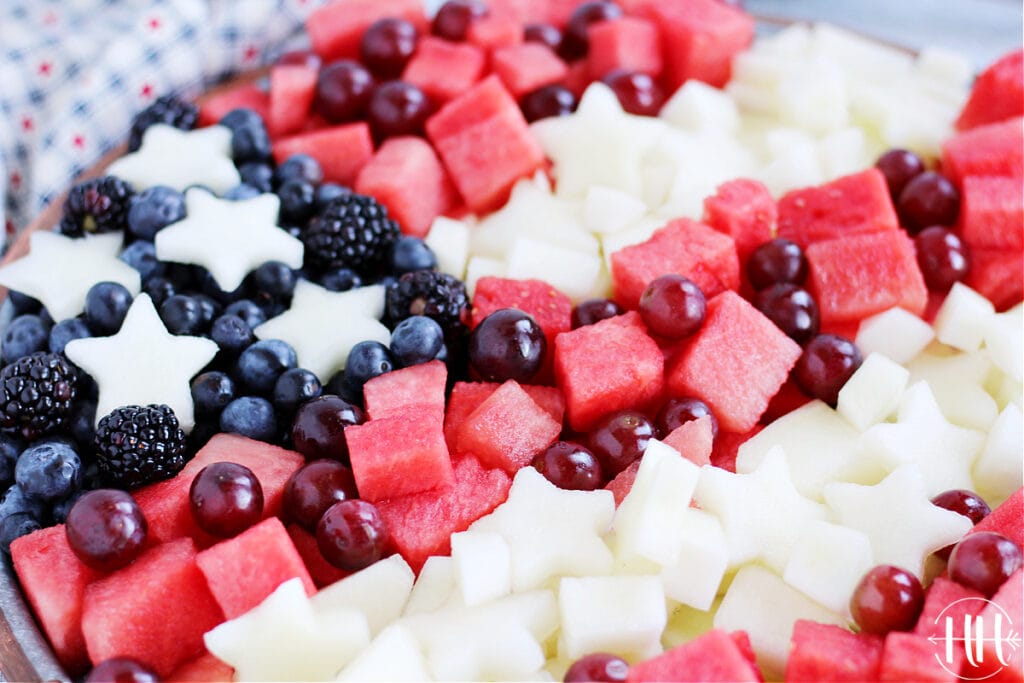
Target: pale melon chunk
<point x="570" y="271"/>
<point x="895" y="333"/>
<point x="609" y="210"/>
<point x="697" y="106"/>
<point x="703" y="558"/>
<point x="483" y="266"/>
<point x="828" y="562"/>
<point x="434" y="587"/>
<point x="624" y="615"/>
<point x="394" y="655"/>
<point x="449" y="240"/>
<point x="483" y="566"/>
<point x="380" y="592"/>
<point x="1004" y="341"/>
<point x="958" y="382"/>
<point x="873" y="392"/>
<point x="999" y="469"/>
<point x="961" y="319"/>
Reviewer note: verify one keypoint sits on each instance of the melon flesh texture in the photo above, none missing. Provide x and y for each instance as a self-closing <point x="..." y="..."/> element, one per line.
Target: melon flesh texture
<point x="320" y="570"/>
<point x="685" y="247"/>
<point x="420" y="386"/>
<point x="341" y="151"/>
<point x="292" y="88"/>
<point x="735" y="363"/>
<point x="54" y="581"/>
<point x="406" y="176"/>
<point x="992" y="213"/>
<point x="155" y="610"/>
<point x="1008" y="602"/>
<point x="526" y="67"/>
<point x="996" y="274"/>
<point x="203" y="669"/>
<point x="467" y="396"/>
<point x="1007" y="519"/>
<point x="714" y="656"/>
<point x="911" y="657"/>
<point x="629" y="43"/>
<point x="242" y="571"/>
<point x="746" y="211"/>
<point x="336" y="29"/>
<point x="498" y="29"/>
<point x="212" y="108"/>
<point x="693" y="440"/>
<point x="949" y="599"/>
<point x="852" y="205"/>
<point x="421" y="524"/>
<point x="444" y="70"/>
<point x="826" y="652"/>
<point x="997" y="93"/>
<point x="855" y="277"/>
<point x="609" y="366"/>
<point x="995" y="149"/>
<point x="623" y="482"/>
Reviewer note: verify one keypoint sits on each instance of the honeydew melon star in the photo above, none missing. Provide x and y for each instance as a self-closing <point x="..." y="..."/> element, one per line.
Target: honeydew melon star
<point x="59" y="270"/>
<point x="180" y="158"/>
<point x="227" y="237"/>
<point x="143" y="363"/>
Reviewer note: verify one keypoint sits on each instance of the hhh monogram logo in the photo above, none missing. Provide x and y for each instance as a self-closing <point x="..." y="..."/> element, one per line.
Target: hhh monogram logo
<point x="989" y="636"/>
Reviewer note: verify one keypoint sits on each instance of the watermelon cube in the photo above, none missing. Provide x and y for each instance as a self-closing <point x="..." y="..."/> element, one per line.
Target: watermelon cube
<point x="735" y="363"/>
<point x="336" y="29"/>
<point x="499" y="28"/>
<point x="559" y="11"/>
<point x="912" y="657"/>
<point x="684" y="247"/>
<point x="851" y="205"/>
<point x="945" y="598"/>
<point x="421" y="524"/>
<point x="526" y="67"/>
<point x="694" y="440"/>
<point x="996" y="274"/>
<point x="745" y="210"/>
<point x="320" y="570"/>
<point x="341" y="151"/>
<point x="606" y="367"/>
<point x="155" y="610"/>
<point x="578" y="78"/>
<point x="992" y="213"/>
<point x="854" y="277"/>
<point x="622" y="484"/>
<point x="723" y="454"/>
<point x="292" y="88"/>
<point x="550" y="399"/>
<point x="826" y="652"/>
<point x="408" y="179"/>
<point x="997" y="93"/>
<point x="444" y="70"/>
<point x="714" y="656"/>
<point x="992" y="149"/>
<point x="400" y="454"/>
<point x="214" y="105"/>
<point x="244" y="570"/>
<point x="399" y="391"/>
<point x="485" y="143"/>
<point x="627" y="43"/>
<point x="1006" y="609"/>
<point x="507" y="429"/>
<point x="1007" y="519"/>
<point x="203" y="669"/>
<point x="54" y="581"/>
<point x="467" y="396"/>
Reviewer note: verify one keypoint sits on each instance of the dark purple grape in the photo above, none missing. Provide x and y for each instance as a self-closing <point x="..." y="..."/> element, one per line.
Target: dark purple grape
<point x="545" y="34"/>
<point x="776" y="262"/>
<point x="226" y="499"/>
<point x="929" y="199"/>
<point x="318" y="430"/>
<point x="984" y="561"/>
<point x="899" y="166"/>
<point x="351" y="535"/>
<point x="887" y="599"/>
<point x="943" y="257"/>
<point x="963" y="502"/>
<point x="827" y="362"/>
<point x="343" y="90"/>
<point x="313" y="488"/>
<point x="507" y="344"/>
<point x="638" y="93"/>
<point x="574" y="40"/>
<point x="592" y="311"/>
<point x="570" y="466"/>
<point x="387" y="45"/>
<point x="598" y="667"/>
<point x="121" y="670"/>
<point x="454" y="17"/>
<point x="106" y="529"/>
<point x="619" y="439"/>
<point x="792" y="309"/>
<point x="678" y="411"/>
<point x="397" y="108"/>
<point x="547" y="101"/>
<point x="673" y="306"/>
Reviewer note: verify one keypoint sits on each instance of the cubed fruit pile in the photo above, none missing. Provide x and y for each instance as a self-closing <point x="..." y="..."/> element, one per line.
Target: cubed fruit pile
<point x="534" y="340"/>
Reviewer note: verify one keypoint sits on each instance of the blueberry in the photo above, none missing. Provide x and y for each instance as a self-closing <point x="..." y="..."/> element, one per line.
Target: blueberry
<point x="159" y="288"/>
<point x="337" y="386"/>
<point x="182" y="314"/>
<point x="275" y="279"/>
<point x="10" y="449"/>
<point x="416" y="340"/>
<point x="209" y="309"/>
<point x="366" y="360"/>
<point x="328" y="191"/>
<point x="293" y="388"/>
<point x="301" y="167"/>
<point x="14" y="527"/>
<point x="261" y="364"/>
<point x="185" y="276"/>
<point x="232" y="334"/>
<point x="23" y="303"/>
<point x="248" y="311"/>
<point x="298" y="199"/>
<point x="239" y="118"/>
<point x="340" y="279"/>
<point x="154" y="209"/>
<point x="250" y="143"/>
<point x="240" y="192"/>
<point x="209" y="287"/>
<point x="15" y="502"/>
<point x="82" y="423"/>
<point x="25" y="335"/>
<point x="48" y="471"/>
<point x="258" y="175"/>
<point x="65" y="331"/>
<point x="411" y="253"/>
<point x="61" y="508"/>
<point x="106" y="305"/>
<point x="141" y="256"/>
<point x="211" y="392"/>
<point x="250" y="416"/>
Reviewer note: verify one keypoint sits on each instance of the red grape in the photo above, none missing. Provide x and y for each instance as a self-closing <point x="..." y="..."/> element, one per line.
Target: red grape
<point x="387" y="45"/>
<point x="342" y="91"/>
<point x="314" y="487"/>
<point x="899" y="166"/>
<point x="776" y="262"/>
<point x="966" y="503"/>
<point x="827" y="362"/>
<point x="598" y="667"/>
<point x="620" y="439"/>
<point x="454" y="17"/>
<point x="397" y="108"/>
<point x="318" y="430"/>
<point x="638" y="93"/>
<point x="574" y="41"/>
<point x="887" y="599"/>
<point x="507" y="344"/>
<point x="984" y="561"/>
<point x="680" y="410"/>
<point x="121" y="670"/>
<point x="351" y="535"/>
<point x="928" y="199"/>
<point x="545" y="34"/>
<point x="592" y="311"/>
<point x="570" y="466"/>
<point x="547" y="101"/>
<point x="226" y="499"/>
<point x="792" y="309"/>
<point x="673" y="306"/>
<point x="106" y="529"/>
<point x="943" y="257"/>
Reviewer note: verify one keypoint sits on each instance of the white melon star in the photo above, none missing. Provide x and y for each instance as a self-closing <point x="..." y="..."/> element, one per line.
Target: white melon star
<point x="898" y="517"/>
<point x="143" y="363"/>
<point x="178" y="159"/>
<point x="323" y="326"/>
<point x="59" y="270"/>
<point x="229" y="238"/>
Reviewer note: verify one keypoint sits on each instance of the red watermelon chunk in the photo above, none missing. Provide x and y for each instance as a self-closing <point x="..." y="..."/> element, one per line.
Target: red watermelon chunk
<point x="398" y="455"/>
<point x="1007" y="609"/>
<point x="997" y="93"/>
<point x="214" y="106"/>
<point x="996" y="274"/>
<point x="791" y="396"/>
<point x="485" y="143"/>
<point x="244" y="570"/>
<point x="992" y="213"/>
<point x="507" y="429"/>
<point x="341" y="151"/>
<point x="912" y="657"/>
<point x="54" y="581"/>
<point x="501" y="27"/>
<point x="526" y="67"/>
<point x="550" y="399"/>
<point x="735" y="363"/>
<point x="948" y="599"/>
<point x="826" y="652"/>
<point x="992" y="149"/>
<point x="745" y="210"/>
<point x="1007" y="519"/>
<point x="292" y="88"/>
<point x="609" y="366"/>
<point x="336" y="29"/>
<point x="684" y="247"/>
<point x="421" y="524"/>
<point x="622" y="484"/>
<point x="155" y="610"/>
<point x="852" y="205"/>
<point x="628" y="43"/>
<point x="714" y="656"/>
<point x="693" y="440"/>
<point x="854" y="277"/>
<point x="406" y="176"/>
<point x="399" y="391"/>
<point x="320" y="570"/>
<point x="203" y="669"/>
<point x="165" y="505"/>
<point x="444" y="70"/>
<point x="727" y="443"/>
<point x="467" y="396"/>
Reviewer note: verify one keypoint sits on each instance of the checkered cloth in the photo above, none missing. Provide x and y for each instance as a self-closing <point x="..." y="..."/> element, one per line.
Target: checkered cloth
<point x="74" y="72"/>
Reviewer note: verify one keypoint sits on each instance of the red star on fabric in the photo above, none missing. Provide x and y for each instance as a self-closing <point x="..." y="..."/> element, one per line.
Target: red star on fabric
<point x="15" y="180"/>
<point x="154" y="23"/>
<point x="45" y="68"/>
<point x="27" y="124"/>
<point x="147" y="90"/>
<point x="10" y="227"/>
<point x="251" y="53"/>
<point x="78" y="141"/>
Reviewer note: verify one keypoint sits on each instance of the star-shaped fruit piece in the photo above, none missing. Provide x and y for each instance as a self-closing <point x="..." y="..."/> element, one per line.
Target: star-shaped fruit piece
<point x="143" y="363"/>
<point x="179" y="159"/>
<point x="229" y="238"/>
<point x="898" y="517"/>
<point x="552" y="531"/>
<point x="323" y="326"/>
<point x="59" y="270"/>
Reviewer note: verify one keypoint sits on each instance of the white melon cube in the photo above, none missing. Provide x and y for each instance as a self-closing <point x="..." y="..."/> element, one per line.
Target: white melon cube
<point x="873" y="392"/>
<point x="843" y="152"/>
<point x="534" y="212"/>
<point x="895" y="333"/>
<point x="703" y="557"/>
<point x="763" y="605"/>
<point x="434" y="587"/>
<point x="394" y="655"/>
<point x="1004" y="340"/>
<point x="960" y="321"/>
<point x="859" y="54"/>
<point x="698" y="106"/>
<point x="999" y="470"/>
<point x="657" y="178"/>
<point x="637" y="233"/>
<point x="482" y="266"/>
<point x="791" y="169"/>
<point x="449" y="240"/>
<point x="828" y="562"/>
<point x="608" y="210"/>
<point x="813" y="96"/>
<point x="619" y="614"/>
<point x="483" y="566"/>
<point x="380" y="591"/>
<point x="944" y="66"/>
<point x="957" y="380"/>
<point x="573" y="272"/>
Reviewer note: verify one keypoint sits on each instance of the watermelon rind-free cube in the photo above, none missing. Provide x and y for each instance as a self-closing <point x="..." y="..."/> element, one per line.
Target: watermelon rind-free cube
<point x="341" y="151"/>
<point x="203" y="669"/>
<point x="745" y="210"/>
<point x="320" y="570"/>
<point x="336" y="29"/>
<point x="997" y="93"/>
<point x="419" y="386"/>
<point x="826" y="652"/>
<point x="467" y="396"/>
<point x="526" y="67"/>
<point x="714" y="656"/>
<point x="693" y="439"/>
<point x="1007" y="519"/>
<point x="212" y="108"/>
<point x="913" y="657"/>
<point x="996" y="275"/>
<point x="992" y="213"/>
<point x="497" y="29"/>
<point x="948" y="599"/>
<point x="292" y="88"/>
<point x="1007" y="606"/>
<point x="995" y="149"/>
<point x="627" y="43"/>
<point x="443" y="70"/>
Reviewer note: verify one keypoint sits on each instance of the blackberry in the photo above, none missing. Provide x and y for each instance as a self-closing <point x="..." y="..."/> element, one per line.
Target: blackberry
<point x="351" y="231"/>
<point x="167" y="109"/>
<point x="36" y="392"/>
<point x="137" y="445"/>
<point x="436" y="295"/>
<point x="97" y="205"/>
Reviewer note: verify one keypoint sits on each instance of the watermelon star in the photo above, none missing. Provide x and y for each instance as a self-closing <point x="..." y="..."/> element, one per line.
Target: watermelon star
<point x="179" y="158"/>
